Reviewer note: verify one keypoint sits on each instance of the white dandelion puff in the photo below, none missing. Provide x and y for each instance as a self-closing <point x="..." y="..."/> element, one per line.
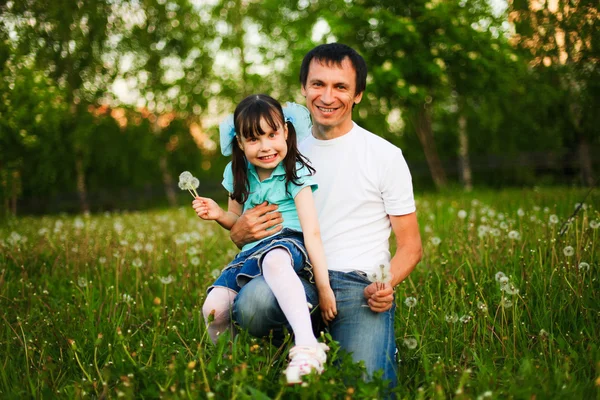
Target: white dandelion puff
<point x="482" y="307"/>
<point x="568" y="251"/>
<point x="543" y="333"/>
<point x="451" y="318"/>
<point x="165" y="280"/>
<point x="102" y="260"/>
<point x="462" y="214"/>
<point x="195" y="261"/>
<point x="137" y="247"/>
<point x="510" y="288"/>
<point x="137" y="262"/>
<point x="583" y="266"/>
<point x="553" y="219"/>
<point x="506" y="303"/>
<point x="514" y="235"/>
<point x="465" y="319"/>
<point x="188" y="182"/>
<point x="520" y="212"/>
<point x="594" y="224"/>
<point x="410" y="343"/>
<point x="215" y="273"/>
<point x="410" y="302"/>
<point x="500" y="275"/>
<point x="126" y="298"/>
<point x="82" y="282"/>
<point x="436" y="241"/>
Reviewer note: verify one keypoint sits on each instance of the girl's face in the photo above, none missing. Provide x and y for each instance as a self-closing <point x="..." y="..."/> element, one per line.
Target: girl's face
<point x="266" y="151"/>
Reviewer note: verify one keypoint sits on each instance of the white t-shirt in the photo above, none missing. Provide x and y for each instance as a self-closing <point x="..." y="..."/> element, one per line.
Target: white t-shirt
<point x="362" y="180"/>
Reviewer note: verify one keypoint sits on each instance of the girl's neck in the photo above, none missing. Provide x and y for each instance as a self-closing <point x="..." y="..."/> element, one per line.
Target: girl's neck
<point x="263" y="173"/>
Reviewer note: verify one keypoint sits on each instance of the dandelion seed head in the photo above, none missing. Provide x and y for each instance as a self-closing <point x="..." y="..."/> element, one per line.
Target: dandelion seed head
<point x="594" y="224"/>
<point x="465" y="319"/>
<point x="568" y="251"/>
<point x="451" y="318"/>
<point x="462" y="214"/>
<point x="583" y="266"/>
<point x="436" y="241"/>
<point x="215" y="273"/>
<point x="520" y="212"/>
<point x="500" y="275"/>
<point x="137" y="247"/>
<point x="410" y="342"/>
<point x="165" y="280"/>
<point x="514" y="235"/>
<point x="553" y="219"/>
<point x="410" y="302"/>
<point x="102" y="260"/>
<point x="137" y="262"/>
<point x="506" y="303"/>
<point x="82" y="282"/>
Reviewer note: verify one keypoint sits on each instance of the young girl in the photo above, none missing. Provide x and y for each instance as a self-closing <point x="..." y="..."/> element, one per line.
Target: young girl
<point x="266" y="166"/>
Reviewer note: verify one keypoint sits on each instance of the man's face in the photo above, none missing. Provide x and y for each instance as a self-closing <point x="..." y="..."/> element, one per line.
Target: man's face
<point x="330" y="95"/>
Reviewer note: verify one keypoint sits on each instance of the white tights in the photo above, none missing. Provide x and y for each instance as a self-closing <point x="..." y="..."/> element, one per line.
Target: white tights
<point x="287" y="288"/>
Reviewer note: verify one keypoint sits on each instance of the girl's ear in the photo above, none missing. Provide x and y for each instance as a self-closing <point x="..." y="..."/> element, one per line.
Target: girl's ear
<point x="239" y="142"/>
<point x="285" y="129"/>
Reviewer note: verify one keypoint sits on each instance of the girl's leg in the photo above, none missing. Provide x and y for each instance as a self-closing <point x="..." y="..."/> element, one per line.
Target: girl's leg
<point x="289" y="292"/>
<point x="218" y="303"/>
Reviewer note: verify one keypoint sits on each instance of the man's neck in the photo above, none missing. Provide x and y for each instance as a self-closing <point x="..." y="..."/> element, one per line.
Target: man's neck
<point x="321" y="132"/>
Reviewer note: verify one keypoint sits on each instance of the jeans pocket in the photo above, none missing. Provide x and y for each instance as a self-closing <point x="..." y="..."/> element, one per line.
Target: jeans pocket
<point x="362" y="276"/>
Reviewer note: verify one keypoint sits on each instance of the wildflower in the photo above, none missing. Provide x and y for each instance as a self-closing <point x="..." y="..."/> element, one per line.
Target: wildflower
<point x="485" y="395"/>
<point x="127" y="298"/>
<point x="43" y="231"/>
<point x="124" y="243"/>
<point x="436" y="241"/>
<point x="381" y="275"/>
<point x="503" y="225"/>
<point x="594" y="224"/>
<point x="118" y="227"/>
<point x="495" y="232"/>
<point x="149" y="247"/>
<point x="553" y="219"/>
<point x="583" y="266"/>
<point x="188" y="182"/>
<point x="410" y="343"/>
<point x="410" y="302"/>
<point x="215" y="273"/>
<point x="465" y="319"/>
<point x="78" y="223"/>
<point x="543" y="333"/>
<point x="568" y="251"/>
<point x="102" y="260"/>
<point x="137" y="247"/>
<point x="14" y="238"/>
<point x="514" y="235"/>
<point x="482" y="307"/>
<point x="452" y="318"/>
<point x="165" y="280"/>
<point x="462" y="214"/>
<point x="192" y="251"/>
<point x="506" y="303"/>
<point x="137" y="262"/>
<point x="195" y="261"/>
<point x="82" y="282"/>
<point x="500" y="275"/>
<point x="520" y="212"/>
<point x="509" y="288"/>
<point x="503" y="281"/>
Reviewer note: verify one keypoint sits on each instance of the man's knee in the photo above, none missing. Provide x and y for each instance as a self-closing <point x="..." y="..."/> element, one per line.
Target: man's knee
<point x="255" y="308"/>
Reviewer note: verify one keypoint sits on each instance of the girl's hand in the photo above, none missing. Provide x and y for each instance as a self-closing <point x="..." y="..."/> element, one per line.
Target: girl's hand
<point x="207" y="209"/>
<point x="327" y="304"/>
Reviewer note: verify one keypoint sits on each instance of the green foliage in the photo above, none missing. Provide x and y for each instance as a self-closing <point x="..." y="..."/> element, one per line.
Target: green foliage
<point x="109" y="305"/>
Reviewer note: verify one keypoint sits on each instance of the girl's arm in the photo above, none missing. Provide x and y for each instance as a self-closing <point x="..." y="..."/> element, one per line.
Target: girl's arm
<point x="307" y="214"/>
<point x="208" y="209"/>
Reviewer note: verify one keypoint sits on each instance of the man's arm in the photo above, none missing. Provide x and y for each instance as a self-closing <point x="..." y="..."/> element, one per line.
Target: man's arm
<point x="253" y="224"/>
<point x="408" y="253"/>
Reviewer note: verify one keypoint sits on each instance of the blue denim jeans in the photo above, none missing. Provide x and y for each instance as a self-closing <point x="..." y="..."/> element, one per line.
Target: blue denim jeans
<point x="368" y="336"/>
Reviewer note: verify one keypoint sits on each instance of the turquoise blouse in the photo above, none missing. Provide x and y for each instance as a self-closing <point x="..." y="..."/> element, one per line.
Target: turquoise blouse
<point x="273" y="190"/>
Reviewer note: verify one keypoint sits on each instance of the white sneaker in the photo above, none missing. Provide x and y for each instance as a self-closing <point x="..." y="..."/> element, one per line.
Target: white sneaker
<point x="304" y="360"/>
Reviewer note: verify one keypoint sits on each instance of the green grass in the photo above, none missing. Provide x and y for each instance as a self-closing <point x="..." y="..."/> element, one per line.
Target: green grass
<point x="109" y="306"/>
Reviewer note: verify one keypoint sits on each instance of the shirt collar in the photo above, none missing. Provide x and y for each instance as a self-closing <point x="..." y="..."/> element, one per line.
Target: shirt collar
<point x="278" y="171"/>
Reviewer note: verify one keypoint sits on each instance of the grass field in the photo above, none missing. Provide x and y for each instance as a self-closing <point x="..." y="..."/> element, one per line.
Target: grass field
<point x="108" y="306"/>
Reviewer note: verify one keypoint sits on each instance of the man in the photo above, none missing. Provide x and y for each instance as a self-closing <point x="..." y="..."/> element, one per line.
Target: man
<point x="365" y="190"/>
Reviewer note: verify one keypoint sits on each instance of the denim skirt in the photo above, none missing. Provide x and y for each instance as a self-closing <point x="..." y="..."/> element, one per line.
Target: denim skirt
<point x="248" y="264"/>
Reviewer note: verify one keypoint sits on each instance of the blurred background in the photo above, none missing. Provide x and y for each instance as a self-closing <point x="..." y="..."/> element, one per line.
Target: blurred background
<point x="104" y="102"/>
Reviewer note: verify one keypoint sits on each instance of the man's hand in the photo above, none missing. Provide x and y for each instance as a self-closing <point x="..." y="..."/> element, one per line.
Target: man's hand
<point x="327" y="304"/>
<point x="380" y="296"/>
<point x="253" y="224"/>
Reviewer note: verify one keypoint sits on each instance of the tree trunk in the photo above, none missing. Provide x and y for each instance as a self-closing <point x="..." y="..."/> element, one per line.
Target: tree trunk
<point x="422" y="124"/>
<point x="81" y="188"/>
<point x="585" y="161"/>
<point x="167" y="181"/>
<point x="463" y="154"/>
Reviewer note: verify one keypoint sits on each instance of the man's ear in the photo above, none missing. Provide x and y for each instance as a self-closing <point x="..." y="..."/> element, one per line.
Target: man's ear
<point x="303" y="90"/>
<point x="358" y="98"/>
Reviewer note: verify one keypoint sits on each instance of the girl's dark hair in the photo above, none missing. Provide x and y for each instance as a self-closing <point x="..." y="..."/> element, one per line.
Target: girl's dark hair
<point x="246" y="119"/>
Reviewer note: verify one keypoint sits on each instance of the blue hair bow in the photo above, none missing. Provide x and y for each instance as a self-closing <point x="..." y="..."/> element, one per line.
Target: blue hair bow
<point x="292" y="112"/>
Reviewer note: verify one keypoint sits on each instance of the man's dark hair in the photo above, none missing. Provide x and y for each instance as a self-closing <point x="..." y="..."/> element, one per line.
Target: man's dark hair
<point x="335" y="53"/>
